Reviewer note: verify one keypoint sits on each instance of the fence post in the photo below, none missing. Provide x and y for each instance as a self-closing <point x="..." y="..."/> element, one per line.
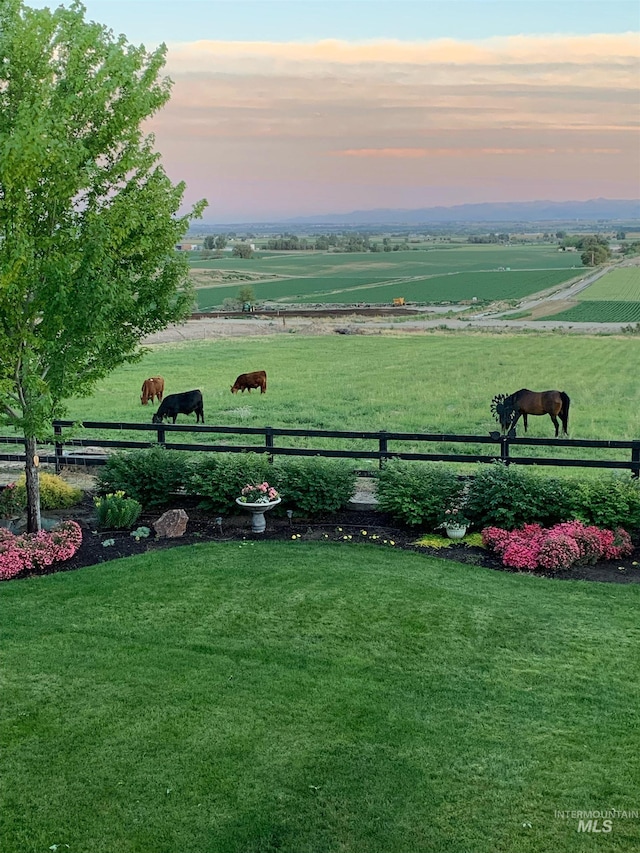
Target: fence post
<point x="382" y="447"/>
<point x="504" y="449"/>
<point x="162" y="437"/>
<point x="57" y="431"/>
<point x="635" y="459"/>
<point x="268" y="441"/>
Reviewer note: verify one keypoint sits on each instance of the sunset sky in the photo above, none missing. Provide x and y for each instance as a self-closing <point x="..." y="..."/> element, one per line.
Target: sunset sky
<point x="296" y="107"/>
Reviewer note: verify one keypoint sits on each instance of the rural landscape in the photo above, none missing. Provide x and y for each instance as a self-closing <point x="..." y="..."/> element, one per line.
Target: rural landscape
<point x="444" y="275"/>
<point x="319" y="427"/>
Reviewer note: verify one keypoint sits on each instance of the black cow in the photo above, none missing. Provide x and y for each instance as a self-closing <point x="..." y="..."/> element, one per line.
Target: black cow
<point x="180" y="404"/>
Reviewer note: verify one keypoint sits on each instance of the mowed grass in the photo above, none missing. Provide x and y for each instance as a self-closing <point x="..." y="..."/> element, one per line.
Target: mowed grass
<point x="614" y="298"/>
<point x="313" y="698"/>
<point x="505" y="272"/>
<point x="430" y="383"/>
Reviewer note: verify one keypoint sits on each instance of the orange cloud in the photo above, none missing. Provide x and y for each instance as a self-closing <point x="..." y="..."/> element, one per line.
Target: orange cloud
<point x="536" y="50"/>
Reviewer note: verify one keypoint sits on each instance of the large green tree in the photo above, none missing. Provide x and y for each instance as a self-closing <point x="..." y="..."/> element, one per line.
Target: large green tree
<point x="88" y="217"/>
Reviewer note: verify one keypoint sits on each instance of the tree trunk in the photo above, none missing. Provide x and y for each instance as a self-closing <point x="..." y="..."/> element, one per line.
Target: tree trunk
<point x="34" y="521"/>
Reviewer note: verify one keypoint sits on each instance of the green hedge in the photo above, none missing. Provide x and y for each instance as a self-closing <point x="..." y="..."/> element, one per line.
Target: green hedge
<point x="314" y="484"/>
<point x="150" y="477"/>
<point x="413" y="493"/>
<point x="509" y="496"/>
<point x="218" y="478"/>
<point x="417" y="493"/>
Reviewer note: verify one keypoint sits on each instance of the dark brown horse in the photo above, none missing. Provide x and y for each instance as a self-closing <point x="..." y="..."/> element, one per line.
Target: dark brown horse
<point x="508" y="410"/>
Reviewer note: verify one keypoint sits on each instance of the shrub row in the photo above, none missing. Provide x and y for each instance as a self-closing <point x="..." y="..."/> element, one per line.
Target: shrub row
<point x="415" y="494"/>
<point x="506" y="496"/>
<point x="152" y="477"/>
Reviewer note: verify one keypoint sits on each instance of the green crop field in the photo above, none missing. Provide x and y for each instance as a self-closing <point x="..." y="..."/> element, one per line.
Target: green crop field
<point x="614" y="298"/>
<point x="486" y="273"/>
<point x="595" y="311"/>
<point x="618" y="285"/>
<point x="483" y="286"/>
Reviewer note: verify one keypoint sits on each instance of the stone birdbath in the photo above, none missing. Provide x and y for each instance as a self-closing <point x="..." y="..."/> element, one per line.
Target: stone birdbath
<point x="257" y="510"/>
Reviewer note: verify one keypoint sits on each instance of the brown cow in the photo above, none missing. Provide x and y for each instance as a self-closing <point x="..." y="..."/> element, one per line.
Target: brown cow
<point x="257" y="379"/>
<point x="152" y="388"/>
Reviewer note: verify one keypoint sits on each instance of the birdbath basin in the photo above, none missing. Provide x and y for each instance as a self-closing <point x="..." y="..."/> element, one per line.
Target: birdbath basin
<point x="257" y="510"/>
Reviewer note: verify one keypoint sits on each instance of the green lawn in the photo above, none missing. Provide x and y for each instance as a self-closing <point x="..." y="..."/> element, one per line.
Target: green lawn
<point x="309" y="698"/>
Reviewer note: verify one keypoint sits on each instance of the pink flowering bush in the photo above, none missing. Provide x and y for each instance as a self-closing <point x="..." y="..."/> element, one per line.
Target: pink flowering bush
<point x="557" y="551"/>
<point x="495" y="538"/>
<point x="36" y="551"/>
<point x="556" y="548"/>
<point x="615" y="544"/>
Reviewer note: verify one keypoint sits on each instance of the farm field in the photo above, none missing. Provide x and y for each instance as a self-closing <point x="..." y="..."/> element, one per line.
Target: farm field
<point x="305" y="697"/>
<point x="614" y="298"/>
<point x="618" y="285"/>
<point x="428" y="383"/>
<point x="422" y="276"/>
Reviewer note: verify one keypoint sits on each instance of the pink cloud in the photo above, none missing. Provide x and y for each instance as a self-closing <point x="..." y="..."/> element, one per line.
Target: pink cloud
<point x="337" y="125"/>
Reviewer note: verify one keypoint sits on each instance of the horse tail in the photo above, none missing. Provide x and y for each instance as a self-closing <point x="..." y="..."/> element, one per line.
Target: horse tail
<point x="564" y="411"/>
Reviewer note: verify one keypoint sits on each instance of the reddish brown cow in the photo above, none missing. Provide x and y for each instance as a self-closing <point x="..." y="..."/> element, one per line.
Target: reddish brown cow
<point x="247" y="381"/>
<point x="152" y="388"/>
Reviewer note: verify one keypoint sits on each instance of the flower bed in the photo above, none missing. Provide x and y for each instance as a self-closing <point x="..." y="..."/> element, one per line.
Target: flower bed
<point x="556" y="548"/>
<point x="34" y="552"/>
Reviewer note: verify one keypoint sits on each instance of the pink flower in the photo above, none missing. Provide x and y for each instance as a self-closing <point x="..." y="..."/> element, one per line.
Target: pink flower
<point x="558" y="551"/>
<point x="258" y="493"/>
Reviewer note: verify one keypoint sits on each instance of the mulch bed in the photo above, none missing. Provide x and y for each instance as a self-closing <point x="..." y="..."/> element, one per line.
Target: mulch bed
<point x="345" y="527"/>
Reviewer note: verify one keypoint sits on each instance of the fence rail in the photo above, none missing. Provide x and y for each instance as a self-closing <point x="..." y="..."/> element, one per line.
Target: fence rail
<point x="68" y="450"/>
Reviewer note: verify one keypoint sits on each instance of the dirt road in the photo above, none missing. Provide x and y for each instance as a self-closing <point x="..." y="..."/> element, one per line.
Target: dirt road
<point x="216" y="328"/>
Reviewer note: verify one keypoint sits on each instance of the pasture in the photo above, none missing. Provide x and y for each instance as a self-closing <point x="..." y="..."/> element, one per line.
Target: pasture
<point x="299" y="697"/>
<point x="436" y="382"/>
<point x="432" y="382"/>
<point x="614" y="298"/>
<point x="442" y="274"/>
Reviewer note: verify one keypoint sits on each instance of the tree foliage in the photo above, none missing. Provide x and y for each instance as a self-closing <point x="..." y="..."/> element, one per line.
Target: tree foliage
<point x="88" y="217"/>
<point x="242" y="250"/>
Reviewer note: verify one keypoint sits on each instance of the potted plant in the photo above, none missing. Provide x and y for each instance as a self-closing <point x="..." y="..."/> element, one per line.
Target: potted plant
<point x="454" y="521"/>
<point x="257" y="498"/>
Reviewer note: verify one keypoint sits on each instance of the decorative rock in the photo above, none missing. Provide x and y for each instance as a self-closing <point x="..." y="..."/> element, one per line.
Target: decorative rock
<point x="171" y="524"/>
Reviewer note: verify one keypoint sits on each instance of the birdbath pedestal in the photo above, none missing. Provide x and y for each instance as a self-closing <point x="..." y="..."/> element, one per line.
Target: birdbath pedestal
<point x="257" y="510"/>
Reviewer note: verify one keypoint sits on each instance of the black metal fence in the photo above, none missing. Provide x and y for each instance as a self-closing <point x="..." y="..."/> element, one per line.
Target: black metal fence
<point x="88" y="450"/>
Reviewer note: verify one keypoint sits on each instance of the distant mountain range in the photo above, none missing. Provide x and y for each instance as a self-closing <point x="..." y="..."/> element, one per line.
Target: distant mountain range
<point x="529" y="211"/>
